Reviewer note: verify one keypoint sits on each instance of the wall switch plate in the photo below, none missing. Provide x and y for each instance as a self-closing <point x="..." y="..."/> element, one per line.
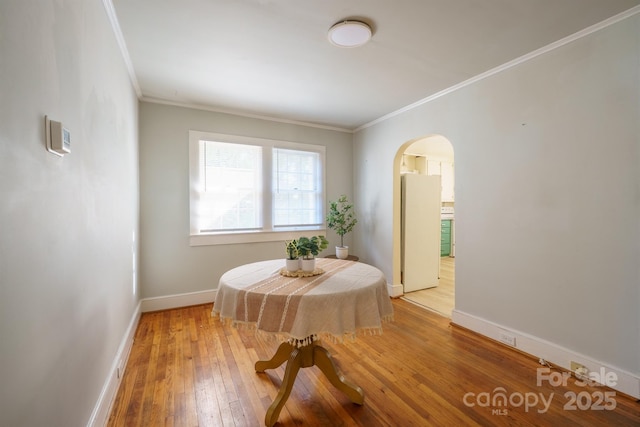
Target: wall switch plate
<point x="58" y="137"/>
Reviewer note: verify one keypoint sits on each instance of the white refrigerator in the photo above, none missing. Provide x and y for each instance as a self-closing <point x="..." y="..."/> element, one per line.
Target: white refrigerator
<point x="421" y="229"/>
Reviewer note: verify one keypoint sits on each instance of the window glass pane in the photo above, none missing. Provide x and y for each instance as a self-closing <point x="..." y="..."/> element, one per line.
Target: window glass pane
<point x="232" y="176"/>
<point x="297" y="190"/>
<point x="244" y="189"/>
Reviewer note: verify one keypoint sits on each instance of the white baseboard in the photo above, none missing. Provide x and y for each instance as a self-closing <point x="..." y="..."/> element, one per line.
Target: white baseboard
<point x="626" y="383"/>
<point x="179" y="300"/>
<point x="101" y="411"/>
<point x="395" y="291"/>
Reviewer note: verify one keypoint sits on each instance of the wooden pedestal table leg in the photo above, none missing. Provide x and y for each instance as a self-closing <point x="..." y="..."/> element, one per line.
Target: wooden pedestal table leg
<point x="322" y="359"/>
<point x="294" y="364"/>
<point x="304" y="357"/>
<point x="281" y="356"/>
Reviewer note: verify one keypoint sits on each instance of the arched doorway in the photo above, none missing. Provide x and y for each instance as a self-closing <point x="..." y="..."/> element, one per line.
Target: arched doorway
<point x="430" y="155"/>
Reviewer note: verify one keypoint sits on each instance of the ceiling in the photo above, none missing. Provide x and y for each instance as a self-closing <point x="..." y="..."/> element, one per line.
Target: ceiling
<point x="272" y="58"/>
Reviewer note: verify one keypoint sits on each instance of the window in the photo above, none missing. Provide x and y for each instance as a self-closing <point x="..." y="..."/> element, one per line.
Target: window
<point x="249" y="190"/>
<point x="296" y="180"/>
<point x="229" y="199"/>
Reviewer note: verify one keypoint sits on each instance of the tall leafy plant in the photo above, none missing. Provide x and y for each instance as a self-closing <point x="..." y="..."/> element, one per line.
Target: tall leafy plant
<point x="341" y="217"/>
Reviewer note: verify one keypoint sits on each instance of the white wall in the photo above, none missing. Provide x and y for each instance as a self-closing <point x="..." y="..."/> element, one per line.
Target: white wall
<point x="168" y="264"/>
<point x="547" y="194"/>
<point x="67" y="288"/>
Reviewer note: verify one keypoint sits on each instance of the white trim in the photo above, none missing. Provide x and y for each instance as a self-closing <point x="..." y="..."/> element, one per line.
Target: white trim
<point x="178" y="300"/>
<point x="117" y="31"/>
<point x="266" y="231"/>
<point x="395" y="291"/>
<point x="102" y="409"/>
<point x="513" y="63"/>
<point x="242" y="114"/>
<point x="259" y="237"/>
<point x="108" y="5"/>
<point x="627" y="382"/>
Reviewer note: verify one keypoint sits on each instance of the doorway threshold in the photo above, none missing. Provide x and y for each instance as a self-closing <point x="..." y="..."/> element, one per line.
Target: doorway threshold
<point x="417" y="301"/>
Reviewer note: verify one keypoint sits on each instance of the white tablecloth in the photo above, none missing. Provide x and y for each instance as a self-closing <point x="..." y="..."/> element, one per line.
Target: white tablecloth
<point x="347" y="299"/>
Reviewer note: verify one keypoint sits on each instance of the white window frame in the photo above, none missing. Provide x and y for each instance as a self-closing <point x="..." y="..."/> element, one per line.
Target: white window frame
<point x="267" y="233"/>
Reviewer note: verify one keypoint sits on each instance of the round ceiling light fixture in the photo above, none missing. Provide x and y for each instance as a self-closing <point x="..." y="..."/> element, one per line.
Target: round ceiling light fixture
<point x="349" y="34"/>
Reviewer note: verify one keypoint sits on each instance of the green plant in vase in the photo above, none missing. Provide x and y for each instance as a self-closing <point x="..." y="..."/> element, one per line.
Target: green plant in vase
<point x="292" y="262"/>
<point x="309" y="248"/>
<point x="341" y="218"/>
<point x="292" y="249"/>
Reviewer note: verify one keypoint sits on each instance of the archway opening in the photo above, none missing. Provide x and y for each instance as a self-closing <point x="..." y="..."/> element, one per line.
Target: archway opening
<point x="429" y="280"/>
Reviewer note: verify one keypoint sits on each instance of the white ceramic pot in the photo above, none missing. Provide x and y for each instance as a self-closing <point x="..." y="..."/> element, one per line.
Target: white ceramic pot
<point x="308" y="265"/>
<point x="342" y="252"/>
<point x="292" y="264"/>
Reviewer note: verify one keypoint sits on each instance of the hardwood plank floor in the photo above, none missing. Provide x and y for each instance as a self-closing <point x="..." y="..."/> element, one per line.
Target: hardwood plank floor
<point x="187" y="369"/>
<point x="440" y="299"/>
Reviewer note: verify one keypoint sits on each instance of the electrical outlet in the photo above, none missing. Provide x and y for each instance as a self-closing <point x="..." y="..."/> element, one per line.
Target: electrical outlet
<point x="579" y="370"/>
<point x="507" y="338"/>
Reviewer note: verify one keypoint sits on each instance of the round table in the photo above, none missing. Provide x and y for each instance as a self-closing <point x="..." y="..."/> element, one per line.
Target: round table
<point x="345" y="299"/>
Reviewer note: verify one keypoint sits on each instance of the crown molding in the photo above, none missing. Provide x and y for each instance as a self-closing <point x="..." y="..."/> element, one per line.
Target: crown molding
<point x="117" y="31"/>
<point x="242" y="114"/>
<point x="529" y="56"/>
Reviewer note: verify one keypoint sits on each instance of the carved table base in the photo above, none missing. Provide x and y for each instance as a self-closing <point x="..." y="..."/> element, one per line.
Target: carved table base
<point x="304" y="357"/>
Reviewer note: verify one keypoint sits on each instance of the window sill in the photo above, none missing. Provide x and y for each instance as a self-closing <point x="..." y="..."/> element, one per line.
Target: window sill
<point x="255" y="237"/>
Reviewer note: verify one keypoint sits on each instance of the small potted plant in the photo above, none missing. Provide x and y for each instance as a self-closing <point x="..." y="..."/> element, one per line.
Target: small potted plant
<point x="292" y="262"/>
<point x="341" y="219"/>
<point x="308" y="249"/>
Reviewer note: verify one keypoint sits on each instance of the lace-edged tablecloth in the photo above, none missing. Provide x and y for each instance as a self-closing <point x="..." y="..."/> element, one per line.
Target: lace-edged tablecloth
<point x="347" y="299"/>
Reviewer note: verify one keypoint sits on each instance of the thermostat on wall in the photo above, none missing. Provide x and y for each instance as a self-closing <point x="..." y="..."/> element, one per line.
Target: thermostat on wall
<point x="58" y="137"/>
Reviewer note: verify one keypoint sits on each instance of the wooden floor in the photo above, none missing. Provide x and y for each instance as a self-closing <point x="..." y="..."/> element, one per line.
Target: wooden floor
<point x="186" y="369"/>
<point x="440" y="299"/>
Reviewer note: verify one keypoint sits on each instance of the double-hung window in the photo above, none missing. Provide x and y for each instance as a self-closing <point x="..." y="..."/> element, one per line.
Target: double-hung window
<point x="250" y="189"/>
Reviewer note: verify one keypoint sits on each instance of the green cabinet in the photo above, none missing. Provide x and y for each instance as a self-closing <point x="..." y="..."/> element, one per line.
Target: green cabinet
<point x="445" y="237"/>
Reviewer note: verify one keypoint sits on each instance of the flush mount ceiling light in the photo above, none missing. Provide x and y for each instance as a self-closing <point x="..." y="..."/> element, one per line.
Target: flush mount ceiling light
<point x="349" y="34"/>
